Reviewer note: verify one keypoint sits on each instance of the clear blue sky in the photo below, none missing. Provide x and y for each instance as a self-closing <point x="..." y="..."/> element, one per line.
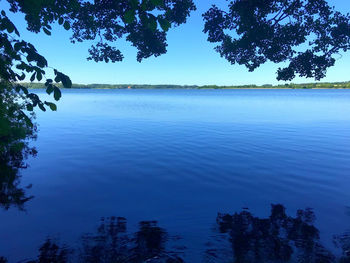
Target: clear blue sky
<point x="190" y="59"/>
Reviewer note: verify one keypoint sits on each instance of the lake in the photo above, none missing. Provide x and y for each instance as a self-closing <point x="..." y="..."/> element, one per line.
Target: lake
<point x="180" y="157"/>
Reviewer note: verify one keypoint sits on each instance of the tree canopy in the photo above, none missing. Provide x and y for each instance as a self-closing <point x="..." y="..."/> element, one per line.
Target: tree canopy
<point x="305" y="34"/>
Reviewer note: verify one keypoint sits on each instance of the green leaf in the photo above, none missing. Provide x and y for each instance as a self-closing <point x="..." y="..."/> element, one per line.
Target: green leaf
<point x="41" y="62"/>
<point x="49" y="89"/>
<point x="24" y="89"/>
<point x="52" y="106"/>
<point x="10" y="29"/>
<point x="129" y="16"/>
<point x="17" y="46"/>
<point x="39" y="76"/>
<point x="144" y="5"/>
<point x="17" y="32"/>
<point x="29" y="107"/>
<point x="60" y="21"/>
<point x="30" y="57"/>
<point x="153" y="24"/>
<point x="66" y="25"/>
<point x="48" y="81"/>
<point x="47" y="32"/>
<point x="157" y="2"/>
<point x="27" y="119"/>
<point x="164" y="24"/>
<point x="134" y="3"/>
<point x="67" y="83"/>
<point x="22" y="77"/>
<point x="56" y="93"/>
<point x="41" y="106"/>
<point x="9" y="25"/>
<point x="32" y="78"/>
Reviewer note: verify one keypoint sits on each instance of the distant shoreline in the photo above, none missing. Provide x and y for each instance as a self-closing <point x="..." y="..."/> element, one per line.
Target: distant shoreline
<point x="325" y="85"/>
<point x="198" y="88"/>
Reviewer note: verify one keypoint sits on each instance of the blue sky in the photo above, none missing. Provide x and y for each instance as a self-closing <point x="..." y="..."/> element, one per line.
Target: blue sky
<point x="190" y="58"/>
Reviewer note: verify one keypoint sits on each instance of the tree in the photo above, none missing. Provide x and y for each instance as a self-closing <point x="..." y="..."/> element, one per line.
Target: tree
<point x="307" y="34"/>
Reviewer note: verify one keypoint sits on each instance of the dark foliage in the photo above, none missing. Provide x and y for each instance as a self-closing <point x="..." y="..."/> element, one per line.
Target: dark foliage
<point x="278" y="238"/>
<point x="107" y="21"/>
<point x="113" y="244"/>
<point x="343" y="241"/>
<point x="52" y="252"/>
<point x="19" y="58"/>
<point x="252" y="32"/>
<point x="16" y="129"/>
<point x="135" y="20"/>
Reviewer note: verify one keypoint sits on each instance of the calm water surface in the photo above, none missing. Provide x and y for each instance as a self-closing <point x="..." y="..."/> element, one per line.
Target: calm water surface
<point x="180" y="157"/>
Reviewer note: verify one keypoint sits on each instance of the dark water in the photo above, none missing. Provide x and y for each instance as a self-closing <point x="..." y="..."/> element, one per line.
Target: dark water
<point x="180" y="157"/>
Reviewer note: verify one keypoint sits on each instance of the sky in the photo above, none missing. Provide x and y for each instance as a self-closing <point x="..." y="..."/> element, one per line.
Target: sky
<point x="190" y="60"/>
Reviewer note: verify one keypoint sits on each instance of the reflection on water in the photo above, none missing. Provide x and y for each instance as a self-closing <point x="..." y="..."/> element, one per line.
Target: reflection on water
<point x="113" y="244"/>
<point x="276" y="239"/>
<point x="14" y="151"/>
<point x="11" y="192"/>
<point x="16" y="131"/>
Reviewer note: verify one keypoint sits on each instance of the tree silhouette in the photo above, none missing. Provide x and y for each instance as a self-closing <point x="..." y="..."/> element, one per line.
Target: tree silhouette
<point x="304" y="33"/>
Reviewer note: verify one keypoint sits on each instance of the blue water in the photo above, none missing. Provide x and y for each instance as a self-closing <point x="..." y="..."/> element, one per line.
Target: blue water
<point x="180" y="157"/>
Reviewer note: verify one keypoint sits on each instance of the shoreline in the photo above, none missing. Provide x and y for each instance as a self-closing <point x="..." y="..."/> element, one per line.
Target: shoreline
<point x="325" y="85"/>
<point x="196" y="88"/>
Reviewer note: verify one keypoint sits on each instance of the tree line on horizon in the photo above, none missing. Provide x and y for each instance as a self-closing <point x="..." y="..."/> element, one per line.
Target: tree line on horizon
<point x="320" y="85"/>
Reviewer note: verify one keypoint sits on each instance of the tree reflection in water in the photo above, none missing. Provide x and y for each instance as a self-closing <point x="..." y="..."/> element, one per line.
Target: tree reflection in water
<point x="16" y="131"/>
<point x="276" y="239"/>
<point x="11" y="193"/>
<point x="113" y="244"/>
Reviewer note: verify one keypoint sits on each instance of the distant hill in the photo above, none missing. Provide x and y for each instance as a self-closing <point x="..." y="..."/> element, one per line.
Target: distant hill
<point x="319" y="85"/>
